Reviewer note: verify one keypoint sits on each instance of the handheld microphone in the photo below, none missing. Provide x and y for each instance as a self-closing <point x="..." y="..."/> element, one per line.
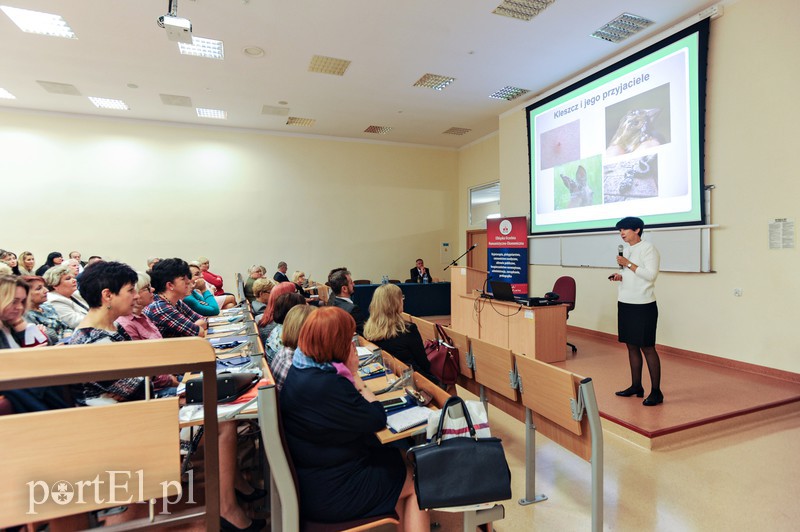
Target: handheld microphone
<point x="619" y="250"/>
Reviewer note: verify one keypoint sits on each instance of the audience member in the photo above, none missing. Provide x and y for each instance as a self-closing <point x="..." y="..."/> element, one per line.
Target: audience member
<point x="10" y="258"/>
<point x="53" y="259"/>
<point x="42" y="313"/>
<point x="255" y="272"/>
<point x="283" y="305"/>
<point x="151" y="261"/>
<point x="171" y="281"/>
<point x="77" y="256"/>
<point x="280" y="276"/>
<point x="292" y="324"/>
<point x="75" y="266"/>
<point x="261" y="289"/>
<point x="63" y="297"/>
<point x="211" y="278"/>
<point x="420" y="274"/>
<point x="387" y="329"/>
<point x="330" y="418"/>
<point x="341" y="283"/>
<point x="136" y="324"/>
<point x="267" y="322"/>
<point x="93" y="259"/>
<point x="27" y="263"/>
<point x="14" y="330"/>
<point x="200" y="299"/>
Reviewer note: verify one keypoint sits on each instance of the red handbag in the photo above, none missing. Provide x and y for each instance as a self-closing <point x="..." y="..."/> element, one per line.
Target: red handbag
<point x="443" y="356"/>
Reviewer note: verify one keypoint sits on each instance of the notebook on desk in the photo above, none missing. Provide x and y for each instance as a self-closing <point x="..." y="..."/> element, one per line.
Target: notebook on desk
<point x="408" y="418"/>
<point x="502" y="291"/>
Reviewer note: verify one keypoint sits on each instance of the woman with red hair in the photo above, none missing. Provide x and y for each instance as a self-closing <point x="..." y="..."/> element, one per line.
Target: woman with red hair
<point x="267" y="321"/>
<point x="329" y="419"/>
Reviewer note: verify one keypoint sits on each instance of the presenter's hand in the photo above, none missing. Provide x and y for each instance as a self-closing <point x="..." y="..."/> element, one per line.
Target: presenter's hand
<point x="615" y="277"/>
<point x="622" y="261"/>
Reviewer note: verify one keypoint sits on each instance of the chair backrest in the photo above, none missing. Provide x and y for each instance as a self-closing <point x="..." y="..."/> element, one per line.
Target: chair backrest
<point x="565" y="288"/>
<point x="427" y="329"/>
<point x="362" y="281"/>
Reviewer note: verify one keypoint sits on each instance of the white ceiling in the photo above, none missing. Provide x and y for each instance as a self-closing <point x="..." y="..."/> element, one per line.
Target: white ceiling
<point x="121" y="53"/>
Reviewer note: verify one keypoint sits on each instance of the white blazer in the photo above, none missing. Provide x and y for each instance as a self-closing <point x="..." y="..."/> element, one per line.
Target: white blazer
<point x="68" y="310"/>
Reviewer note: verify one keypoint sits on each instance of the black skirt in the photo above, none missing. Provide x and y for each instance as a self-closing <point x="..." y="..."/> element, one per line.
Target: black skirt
<point x="636" y="324"/>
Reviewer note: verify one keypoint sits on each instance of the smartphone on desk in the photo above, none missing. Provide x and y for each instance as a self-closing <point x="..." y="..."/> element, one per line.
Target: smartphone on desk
<point x="394" y="404"/>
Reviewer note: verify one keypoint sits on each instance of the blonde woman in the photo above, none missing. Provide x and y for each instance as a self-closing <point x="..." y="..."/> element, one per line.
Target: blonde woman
<point x="63" y="296"/>
<point x="261" y="290"/>
<point x="14" y="330"/>
<point x="387" y="329"/>
<point x="282" y="361"/>
<point x="27" y="263"/>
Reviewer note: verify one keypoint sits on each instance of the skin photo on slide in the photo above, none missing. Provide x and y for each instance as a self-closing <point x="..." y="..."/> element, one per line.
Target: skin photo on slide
<point x="579" y="183"/>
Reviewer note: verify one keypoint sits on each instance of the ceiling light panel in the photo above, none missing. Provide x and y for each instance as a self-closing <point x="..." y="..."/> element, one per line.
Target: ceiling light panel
<point x="380" y="130"/>
<point x="59" y="88"/>
<point x="39" y="23"/>
<point x="434" y="81"/>
<point x="456" y="131"/>
<point x="109" y="103"/>
<point x="273" y="110"/>
<point x="508" y="93"/>
<point x="522" y="9"/>
<point x="328" y="65"/>
<point x="622" y="27"/>
<point x="296" y="121"/>
<point x="5" y="95"/>
<point x="201" y="47"/>
<point x="218" y="114"/>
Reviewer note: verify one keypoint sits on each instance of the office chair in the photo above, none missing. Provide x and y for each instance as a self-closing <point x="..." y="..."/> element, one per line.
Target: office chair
<point x="362" y="281"/>
<point x="565" y="288"/>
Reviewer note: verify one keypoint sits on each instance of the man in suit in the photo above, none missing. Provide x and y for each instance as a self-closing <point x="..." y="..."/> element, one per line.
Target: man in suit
<point x="341" y="284"/>
<point x="420" y="274"/>
<point x="280" y="276"/>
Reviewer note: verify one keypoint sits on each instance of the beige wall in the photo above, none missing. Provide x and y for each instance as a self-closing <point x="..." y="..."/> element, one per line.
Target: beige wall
<point x="129" y="190"/>
<point x="753" y="110"/>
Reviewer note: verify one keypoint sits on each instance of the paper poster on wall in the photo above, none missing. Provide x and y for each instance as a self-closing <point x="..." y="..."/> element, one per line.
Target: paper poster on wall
<point x="507" y="247"/>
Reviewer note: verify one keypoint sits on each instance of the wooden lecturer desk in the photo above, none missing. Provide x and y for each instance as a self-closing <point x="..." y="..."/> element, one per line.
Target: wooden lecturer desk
<point x="540" y="332"/>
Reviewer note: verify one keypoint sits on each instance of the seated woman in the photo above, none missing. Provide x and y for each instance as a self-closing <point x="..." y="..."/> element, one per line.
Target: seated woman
<point x="299" y="279"/>
<point x="290" y="332"/>
<point x="42" y="313"/>
<point x="261" y="290"/>
<point x="14" y="330"/>
<point x="283" y="305"/>
<point x="27" y="263"/>
<point x="255" y="272"/>
<point x="214" y="280"/>
<point x="330" y="418"/>
<point x="387" y="329"/>
<point x="201" y="300"/>
<point x="10" y="258"/>
<point x="63" y="285"/>
<point x="267" y="321"/>
<point x="136" y="324"/>
<point x="54" y="258"/>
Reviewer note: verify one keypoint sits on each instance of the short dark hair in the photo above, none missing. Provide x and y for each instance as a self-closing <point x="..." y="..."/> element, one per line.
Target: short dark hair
<point x="284" y="304"/>
<point x="337" y="280"/>
<point x="102" y="275"/>
<point x="632" y="223"/>
<point x="166" y="271"/>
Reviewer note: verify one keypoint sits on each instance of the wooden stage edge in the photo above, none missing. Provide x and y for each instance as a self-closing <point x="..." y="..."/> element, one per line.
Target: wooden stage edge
<point x="700" y="357"/>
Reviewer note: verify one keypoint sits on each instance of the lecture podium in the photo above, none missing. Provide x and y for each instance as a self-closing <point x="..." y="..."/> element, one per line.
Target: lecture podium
<point x="539" y="332"/>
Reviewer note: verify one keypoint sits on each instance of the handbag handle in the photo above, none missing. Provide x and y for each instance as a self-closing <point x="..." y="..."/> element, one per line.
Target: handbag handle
<point x="454" y="400"/>
<point x="443" y="334"/>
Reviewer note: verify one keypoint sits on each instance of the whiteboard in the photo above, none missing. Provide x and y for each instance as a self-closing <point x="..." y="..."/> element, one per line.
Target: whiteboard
<point x="684" y="249"/>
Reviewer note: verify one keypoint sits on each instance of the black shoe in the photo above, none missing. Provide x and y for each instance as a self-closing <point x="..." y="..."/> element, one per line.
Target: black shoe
<point x="655" y="398"/>
<point x="256" y="494"/>
<point x="638" y="391"/>
<point x="255" y="525"/>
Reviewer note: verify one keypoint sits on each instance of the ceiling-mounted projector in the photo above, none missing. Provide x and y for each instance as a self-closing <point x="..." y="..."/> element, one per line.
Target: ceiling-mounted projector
<point x="178" y="29"/>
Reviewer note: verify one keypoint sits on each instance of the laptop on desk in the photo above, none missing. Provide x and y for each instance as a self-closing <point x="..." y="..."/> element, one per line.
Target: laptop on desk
<point x="502" y="291"/>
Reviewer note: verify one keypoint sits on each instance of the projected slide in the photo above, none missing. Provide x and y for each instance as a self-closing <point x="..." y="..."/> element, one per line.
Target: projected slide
<point x="626" y="142"/>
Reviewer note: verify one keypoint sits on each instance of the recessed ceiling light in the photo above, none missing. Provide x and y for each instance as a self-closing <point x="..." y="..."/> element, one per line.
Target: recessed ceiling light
<point x="522" y="9"/>
<point x="202" y="47"/>
<point x="175" y="99"/>
<point x="253" y="51"/>
<point x="508" y="93"/>
<point x="40" y="23"/>
<point x="211" y="113"/>
<point x="456" y="131"/>
<point x="380" y="130"/>
<point x="296" y="121"/>
<point x="328" y="65"/>
<point x="109" y="103"/>
<point x="59" y="88"/>
<point x="133" y="86"/>
<point x="434" y="81"/>
<point x="283" y="102"/>
<point x="273" y="110"/>
<point x="6" y="95"/>
<point x="622" y="27"/>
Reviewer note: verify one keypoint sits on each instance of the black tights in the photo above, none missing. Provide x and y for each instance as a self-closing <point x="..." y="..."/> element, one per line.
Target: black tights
<point x="653" y="365"/>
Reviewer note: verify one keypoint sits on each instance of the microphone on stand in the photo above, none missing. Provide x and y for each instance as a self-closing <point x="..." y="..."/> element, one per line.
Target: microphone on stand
<point x="619" y="250"/>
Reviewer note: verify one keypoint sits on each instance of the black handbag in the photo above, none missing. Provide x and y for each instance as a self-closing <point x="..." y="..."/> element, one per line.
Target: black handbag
<point x="230" y="386"/>
<point x="459" y="471"/>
